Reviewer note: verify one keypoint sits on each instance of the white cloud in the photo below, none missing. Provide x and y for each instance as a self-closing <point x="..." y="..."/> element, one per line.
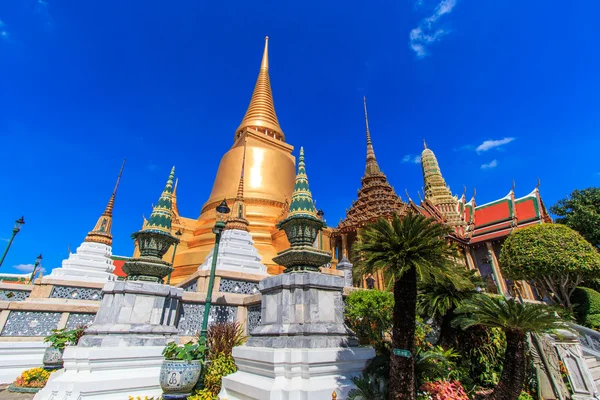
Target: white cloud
<point x="490" y="165"/>
<point x="427" y="32"/>
<point x="26" y="268"/>
<point x="491" y="144"/>
<point x="410" y="158"/>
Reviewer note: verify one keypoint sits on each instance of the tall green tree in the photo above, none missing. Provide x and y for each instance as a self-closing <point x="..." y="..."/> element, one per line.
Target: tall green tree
<point x="516" y="320"/>
<point x="581" y="211"/>
<point x="409" y="249"/>
<point x="553" y="255"/>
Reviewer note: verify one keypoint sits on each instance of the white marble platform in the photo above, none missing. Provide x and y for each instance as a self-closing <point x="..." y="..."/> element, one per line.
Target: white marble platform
<point x="16" y="357"/>
<point x="294" y="374"/>
<point x="106" y="373"/>
<point x="91" y="263"/>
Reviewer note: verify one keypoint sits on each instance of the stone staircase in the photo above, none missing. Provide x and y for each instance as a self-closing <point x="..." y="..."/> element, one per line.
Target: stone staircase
<point x="593" y="364"/>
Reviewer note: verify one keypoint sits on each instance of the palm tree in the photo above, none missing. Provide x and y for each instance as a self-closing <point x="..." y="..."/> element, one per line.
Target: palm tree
<point x="408" y="249"/>
<point x="438" y="300"/>
<point x="516" y="320"/>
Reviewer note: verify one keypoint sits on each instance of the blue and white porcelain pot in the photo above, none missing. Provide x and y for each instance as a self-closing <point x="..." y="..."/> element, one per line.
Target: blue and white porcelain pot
<point x="178" y="378"/>
<point x="53" y="358"/>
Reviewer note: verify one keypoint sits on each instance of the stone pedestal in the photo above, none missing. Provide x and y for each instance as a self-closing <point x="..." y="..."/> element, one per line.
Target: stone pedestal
<point x="120" y="354"/>
<point x="301" y="350"/>
<point x="236" y="253"/>
<point x="346" y="266"/>
<point x="91" y="263"/>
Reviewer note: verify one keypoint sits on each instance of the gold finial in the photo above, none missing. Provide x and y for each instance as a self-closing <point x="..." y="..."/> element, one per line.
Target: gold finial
<point x="372" y="166"/>
<point x="538" y="183"/>
<point x="102" y="231"/>
<point x="333" y="395"/>
<point x="407" y="195"/>
<point x="513" y="186"/>
<point x="424" y="144"/>
<point x="261" y="114"/>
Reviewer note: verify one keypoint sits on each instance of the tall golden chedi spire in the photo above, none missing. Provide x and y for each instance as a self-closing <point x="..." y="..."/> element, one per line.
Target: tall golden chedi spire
<point x="102" y="230"/>
<point x="372" y="166"/>
<point x="263" y="191"/>
<point x="436" y="190"/>
<point x="261" y="114"/>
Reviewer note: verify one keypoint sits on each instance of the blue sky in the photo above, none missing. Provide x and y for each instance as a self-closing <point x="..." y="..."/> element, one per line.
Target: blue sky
<point x="501" y="91"/>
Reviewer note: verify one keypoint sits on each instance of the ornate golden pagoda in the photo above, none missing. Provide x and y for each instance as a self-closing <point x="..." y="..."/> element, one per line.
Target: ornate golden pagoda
<point x="102" y="230"/>
<point x="436" y="190"/>
<point x="267" y="185"/>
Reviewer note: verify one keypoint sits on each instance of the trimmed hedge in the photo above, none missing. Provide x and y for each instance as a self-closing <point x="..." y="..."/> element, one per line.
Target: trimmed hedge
<point x="586" y="303"/>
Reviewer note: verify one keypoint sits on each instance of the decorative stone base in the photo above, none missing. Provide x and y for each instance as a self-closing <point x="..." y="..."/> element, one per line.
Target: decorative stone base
<point x="106" y="373"/>
<point x="90" y="263"/>
<point x="294" y="374"/>
<point x="16" y="357"/>
<point x="236" y="253"/>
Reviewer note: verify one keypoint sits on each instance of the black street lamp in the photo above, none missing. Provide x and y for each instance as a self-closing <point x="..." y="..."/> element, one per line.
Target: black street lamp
<point x="38" y="260"/>
<point x="178" y="233"/>
<point x="222" y="209"/>
<point x="18" y="224"/>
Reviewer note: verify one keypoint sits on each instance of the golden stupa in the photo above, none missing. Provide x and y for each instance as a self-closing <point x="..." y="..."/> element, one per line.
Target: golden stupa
<point x="268" y="185"/>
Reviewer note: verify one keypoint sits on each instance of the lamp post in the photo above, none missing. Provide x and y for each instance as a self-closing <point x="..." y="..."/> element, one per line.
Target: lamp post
<point x="178" y="233"/>
<point x="222" y="209"/>
<point x="18" y="224"/>
<point x="38" y="260"/>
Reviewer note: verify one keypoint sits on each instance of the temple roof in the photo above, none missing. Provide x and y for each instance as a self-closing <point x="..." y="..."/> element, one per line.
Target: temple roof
<point x="302" y="201"/>
<point x="376" y="197"/>
<point x="102" y="230"/>
<point x="160" y="219"/>
<point x="261" y="114"/>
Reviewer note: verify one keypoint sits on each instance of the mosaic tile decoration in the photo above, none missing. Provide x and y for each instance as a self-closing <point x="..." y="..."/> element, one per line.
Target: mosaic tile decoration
<point x="253" y="319"/>
<point x="191" y="315"/>
<point x="236" y="286"/>
<point x="79" y="319"/>
<point x="30" y="323"/>
<point x="76" y="293"/>
<point x="14" y="295"/>
<point x="192" y="287"/>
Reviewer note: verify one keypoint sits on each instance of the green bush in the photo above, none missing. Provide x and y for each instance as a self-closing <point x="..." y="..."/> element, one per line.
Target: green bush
<point x="586" y="303"/>
<point x="369" y="315"/>
<point x="203" y="394"/>
<point x="216" y="370"/>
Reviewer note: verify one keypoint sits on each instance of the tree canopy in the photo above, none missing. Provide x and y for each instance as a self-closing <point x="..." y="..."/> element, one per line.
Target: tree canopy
<point x="555" y="256"/>
<point x="581" y="211"/>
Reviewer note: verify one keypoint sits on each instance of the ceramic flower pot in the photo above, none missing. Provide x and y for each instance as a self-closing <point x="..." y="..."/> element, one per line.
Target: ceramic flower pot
<point x="53" y="358"/>
<point x="178" y="378"/>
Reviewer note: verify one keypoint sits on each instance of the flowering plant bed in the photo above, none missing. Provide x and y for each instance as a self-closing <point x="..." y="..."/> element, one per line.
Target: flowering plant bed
<point x="30" y="381"/>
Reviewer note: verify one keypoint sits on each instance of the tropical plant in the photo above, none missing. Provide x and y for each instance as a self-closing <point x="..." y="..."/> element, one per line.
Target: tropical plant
<point x="553" y="255"/>
<point x="369" y="387"/>
<point x="371" y="327"/>
<point x="581" y="211"/>
<point x="219" y="367"/>
<point x="434" y="364"/>
<point x="438" y="299"/>
<point x="444" y="390"/>
<point x="408" y="250"/>
<point x="525" y="396"/>
<point x="61" y="338"/>
<point x="32" y="378"/>
<point x="516" y="320"/>
<point x="223" y="337"/>
<point x="482" y="349"/>
<point x="188" y="352"/>
<point x="203" y="394"/>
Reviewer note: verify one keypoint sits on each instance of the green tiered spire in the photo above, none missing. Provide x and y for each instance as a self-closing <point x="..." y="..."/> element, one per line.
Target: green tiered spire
<point x="302" y="201"/>
<point x="301" y="228"/>
<point x="153" y="241"/>
<point x="160" y="219"/>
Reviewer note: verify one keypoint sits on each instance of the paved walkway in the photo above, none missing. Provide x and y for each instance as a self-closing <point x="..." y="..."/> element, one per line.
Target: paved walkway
<point x="6" y="395"/>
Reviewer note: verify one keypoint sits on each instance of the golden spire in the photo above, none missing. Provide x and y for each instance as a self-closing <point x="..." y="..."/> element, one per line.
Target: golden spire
<point x="174" y="198"/>
<point x="237" y="218"/>
<point x="372" y="166"/>
<point x="102" y="231"/>
<point x="261" y="111"/>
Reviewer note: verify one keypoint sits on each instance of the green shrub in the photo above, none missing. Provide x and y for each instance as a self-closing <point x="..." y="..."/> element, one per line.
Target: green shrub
<point x="216" y="370"/>
<point x="586" y="303"/>
<point x="525" y="396"/>
<point x="203" y="394"/>
<point x="369" y="315"/>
